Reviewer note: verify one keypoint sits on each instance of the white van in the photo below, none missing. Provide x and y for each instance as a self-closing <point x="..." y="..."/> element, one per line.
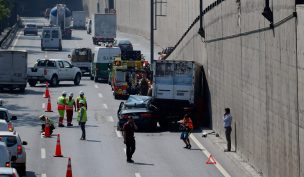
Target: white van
<point x="5" y="160"/>
<point x="102" y="63"/>
<point x="51" y="38"/>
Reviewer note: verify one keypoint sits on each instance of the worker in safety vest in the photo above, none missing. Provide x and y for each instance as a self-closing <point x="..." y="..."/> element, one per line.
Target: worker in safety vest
<point x="70" y="104"/>
<point x="61" y="108"/>
<point x="82" y="118"/>
<point x="79" y="98"/>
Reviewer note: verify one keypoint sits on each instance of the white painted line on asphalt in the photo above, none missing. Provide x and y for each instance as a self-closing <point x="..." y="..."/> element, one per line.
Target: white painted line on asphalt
<point x="125" y="150"/>
<point x="43" y="105"/>
<point x="205" y="151"/>
<point x="110" y="118"/>
<point x="105" y="106"/>
<point x="96" y="86"/>
<point x="137" y="175"/>
<point x="100" y="95"/>
<point x="43" y="175"/>
<point x="43" y="153"/>
<point x="16" y="40"/>
<point x="118" y="133"/>
<point x="45" y="54"/>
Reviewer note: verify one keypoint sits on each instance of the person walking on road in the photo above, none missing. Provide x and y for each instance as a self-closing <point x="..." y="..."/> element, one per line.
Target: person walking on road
<point x="61" y="108"/>
<point x="129" y="139"/>
<point x="82" y="118"/>
<point x="186" y="127"/>
<point x="83" y="98"/>
<point x="227" y="125"/>
<point x="70" y="107"/>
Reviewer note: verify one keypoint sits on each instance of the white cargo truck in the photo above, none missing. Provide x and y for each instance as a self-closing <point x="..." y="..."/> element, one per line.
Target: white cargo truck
<point x="175" y="86"/>
<point x="79" y="19"/>
<point x="104" y="28"/>
<point x="13" y="70"/>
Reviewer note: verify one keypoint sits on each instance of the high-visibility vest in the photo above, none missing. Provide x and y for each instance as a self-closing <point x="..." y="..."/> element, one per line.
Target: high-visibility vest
<point x="61" y="103"/>
<point x="69" y="104"/>
<point x="84" y="116"/>
<point x="188" y="123"/>
<point x="84" y="99"/>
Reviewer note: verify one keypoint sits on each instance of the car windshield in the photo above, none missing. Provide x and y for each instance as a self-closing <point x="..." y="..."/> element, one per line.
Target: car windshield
<point x="43" y="63"/>
<point x="46" y="34"/>
<point x="31" y="26"/>
<point x="9" y="140"/>
<point x="3" y="115"/>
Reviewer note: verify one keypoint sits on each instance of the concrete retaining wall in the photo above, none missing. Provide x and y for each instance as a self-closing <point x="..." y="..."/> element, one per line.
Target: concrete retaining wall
<point x="259" y="75"/>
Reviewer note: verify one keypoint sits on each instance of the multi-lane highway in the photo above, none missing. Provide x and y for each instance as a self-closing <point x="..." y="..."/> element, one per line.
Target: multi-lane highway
<point x="158" y="154"/>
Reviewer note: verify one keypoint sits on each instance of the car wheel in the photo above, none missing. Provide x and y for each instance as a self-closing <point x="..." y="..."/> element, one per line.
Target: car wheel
<point x="42" y="48"/>
<point x="54" y="81"/>
<point x="22" y="89"/>
<point x="32" y="83"/>
<point x="92" y="77"/>
<point x="77" y="79"/>
<point x="96" y="79"/>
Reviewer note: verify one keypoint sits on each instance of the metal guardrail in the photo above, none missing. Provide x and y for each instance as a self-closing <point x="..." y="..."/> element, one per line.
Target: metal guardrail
<point x="10" y="37"/>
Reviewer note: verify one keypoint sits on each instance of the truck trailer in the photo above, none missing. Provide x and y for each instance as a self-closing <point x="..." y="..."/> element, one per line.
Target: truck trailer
<point x="104" y="28"/>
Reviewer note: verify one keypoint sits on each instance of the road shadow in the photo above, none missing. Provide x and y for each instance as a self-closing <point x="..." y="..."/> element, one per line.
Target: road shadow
<point x="140" y="163"/>
<point x="42" y="85"/>
<point x="30" y="174"/>
<point x="94" y="141"/>
<point x="76" y="38"/>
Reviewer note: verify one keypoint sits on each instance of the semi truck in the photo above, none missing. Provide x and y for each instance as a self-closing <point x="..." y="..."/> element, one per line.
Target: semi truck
<point x="175" y="88"/>
<point x="104" y="28"/>
<point x="79" y="19"/>
<point x="61" y="16"/>
<point x="13" y="70"/>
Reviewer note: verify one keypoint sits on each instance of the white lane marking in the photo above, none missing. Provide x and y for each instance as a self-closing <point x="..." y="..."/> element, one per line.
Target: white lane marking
<point x="110" y="118"/>
<point x="105" y="106"/>
<point x="43" y="153"/>
<point x="118" y="133"/>
<point x="45" y="54"/>
<point x="96" y="86"/>
<point x="16" y="40"/>
<point x="125" y="150"/>
<point x="43" y="105"/>
<point x="100" y="95"/>
<point x="43" y="175"/>
<point x="204" y="151"/>
<point x="137" y="175"/>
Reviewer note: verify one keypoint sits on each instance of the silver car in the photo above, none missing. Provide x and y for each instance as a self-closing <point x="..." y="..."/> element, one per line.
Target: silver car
<point x="8" y="172"/>
<point x="30" y="29"/>
<point x="16" y="149"/>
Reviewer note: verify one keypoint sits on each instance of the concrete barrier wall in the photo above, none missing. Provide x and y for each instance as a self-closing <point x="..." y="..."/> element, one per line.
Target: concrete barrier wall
<point x="257" y="73"/>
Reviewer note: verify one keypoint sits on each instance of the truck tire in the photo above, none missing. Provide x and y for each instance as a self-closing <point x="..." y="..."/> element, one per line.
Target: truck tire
<point x="91" y="77"/>
<point x="77" y="79"/>
<point x="32" y="83"/>
<point x="42" y="48"/>
<point x="54" y="81"/>
<point x="22" y="89"/>
<point x="60" y="48"/>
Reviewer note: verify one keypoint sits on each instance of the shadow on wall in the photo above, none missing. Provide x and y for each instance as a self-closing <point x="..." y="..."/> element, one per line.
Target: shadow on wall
<point x="26" y="8"/>
<point x="204" y="111"/>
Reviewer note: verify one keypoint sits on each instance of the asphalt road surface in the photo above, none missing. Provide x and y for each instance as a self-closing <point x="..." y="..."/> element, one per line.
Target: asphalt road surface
<point x="158" y="154"/>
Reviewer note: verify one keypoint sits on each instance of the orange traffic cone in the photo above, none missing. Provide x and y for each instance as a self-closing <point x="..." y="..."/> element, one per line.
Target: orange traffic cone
<point x="49" y="106"/>
<point x="211" y="160"/>
<point x="46" y="93"/>
<point x="58" y="147"/>
<point x="47" y="132"/>
<point x="69" y="169"/>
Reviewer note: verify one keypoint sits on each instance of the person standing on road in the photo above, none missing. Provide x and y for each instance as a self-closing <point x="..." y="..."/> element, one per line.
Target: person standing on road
<point x="82" y="118"/>
<point x="61" y="108"/>
<point x="227" y="125"/>
<point x="83" y="98"/>
<point x="70" y="104"/>
<point x="129" y="139"/>
<point x="187" y="127"/>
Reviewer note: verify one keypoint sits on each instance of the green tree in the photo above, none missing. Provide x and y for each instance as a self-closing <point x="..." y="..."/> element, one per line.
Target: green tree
<point x="4" y="9"/>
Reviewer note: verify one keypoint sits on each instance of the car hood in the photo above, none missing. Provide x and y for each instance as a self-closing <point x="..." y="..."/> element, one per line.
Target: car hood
<point x="137" y="101"/>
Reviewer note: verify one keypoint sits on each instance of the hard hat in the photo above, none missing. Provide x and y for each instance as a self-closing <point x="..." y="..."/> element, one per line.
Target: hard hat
<point x="81" y="102"/>
<point x="64" y="93"/>
<point x="71" y="95"/>
<point x="42" y="117"/>
<point x="81" y="93"/>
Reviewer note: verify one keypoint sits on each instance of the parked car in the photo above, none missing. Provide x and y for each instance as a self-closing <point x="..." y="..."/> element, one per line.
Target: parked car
<point x="15" y="147"/>
<point x="5" y="158"/>
<point x="5" y="126"/>
<point x="125" y="45"/>
<point x="8" y="172"/>
<point x="141" y="110"/>
<point x="30" y="29"/>
<point x="53" y="71"/>
<point x="165" y="53"/>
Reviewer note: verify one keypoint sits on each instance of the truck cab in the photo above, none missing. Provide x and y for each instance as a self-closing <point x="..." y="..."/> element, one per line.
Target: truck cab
<point x="82" y="58"/>
<point x="51" y="38"/>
